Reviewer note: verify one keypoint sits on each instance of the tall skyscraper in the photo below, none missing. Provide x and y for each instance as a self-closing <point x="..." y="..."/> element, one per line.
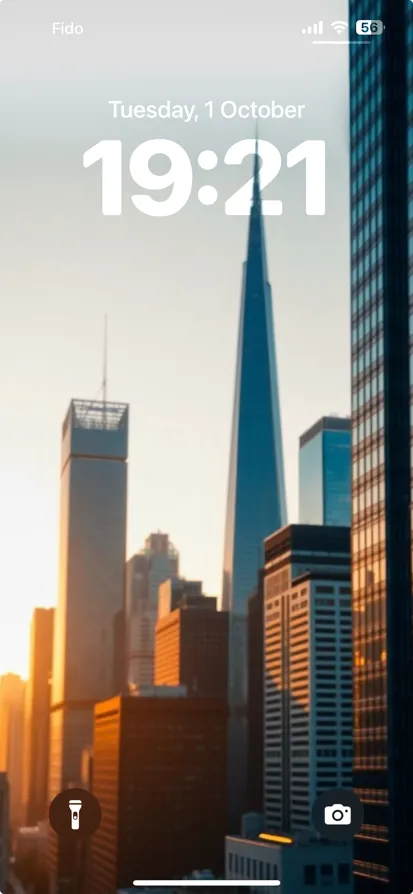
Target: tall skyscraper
<point x="159" y="775"/>
<point x="91" y="584"/>
<point x="12" y="701"/>
<point x="308" y="698"/>
<point x="325" y="473"/>
<point x="37" y="719"/>
<point x="381" y="98"/>
<point x="145" y="571"/>
<point x="256" y="492"/>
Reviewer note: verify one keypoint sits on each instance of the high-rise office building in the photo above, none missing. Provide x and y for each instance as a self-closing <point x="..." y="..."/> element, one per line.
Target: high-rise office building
<point x="145" y="571"/>
<point x="4" y="831"/>
<point x="177" y="592"/>
<point x="325" y="473"/>
<point x="256" y="503"/>
<point x="91" y="588"/>
<point x="308" y="728"/>
<point x="381" y="128"/>
<point x="12" y="704"/>
<point x="159" y="775"/>
<point x="191" y="648"/>
<point x="37" y="716"/>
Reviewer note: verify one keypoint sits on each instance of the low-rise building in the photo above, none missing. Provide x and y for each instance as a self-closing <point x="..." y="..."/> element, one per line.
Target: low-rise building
<point x="297" y="863"/>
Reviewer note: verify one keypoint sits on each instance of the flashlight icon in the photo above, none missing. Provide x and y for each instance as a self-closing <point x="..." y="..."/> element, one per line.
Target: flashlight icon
<point x="75" y="808"/>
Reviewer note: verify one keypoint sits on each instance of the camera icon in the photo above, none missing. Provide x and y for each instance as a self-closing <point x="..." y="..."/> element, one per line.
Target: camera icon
<point x="337" y="815"/>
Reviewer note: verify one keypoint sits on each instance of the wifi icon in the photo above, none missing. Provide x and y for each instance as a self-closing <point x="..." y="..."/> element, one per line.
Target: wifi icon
<point x="339" y="27"/>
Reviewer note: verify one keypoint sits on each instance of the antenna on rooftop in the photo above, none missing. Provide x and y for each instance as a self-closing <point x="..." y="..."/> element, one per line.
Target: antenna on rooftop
<point x="105" y="362"/>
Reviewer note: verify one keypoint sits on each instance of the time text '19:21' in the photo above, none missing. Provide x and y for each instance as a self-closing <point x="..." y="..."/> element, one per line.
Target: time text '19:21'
<point x="180" y="175"/>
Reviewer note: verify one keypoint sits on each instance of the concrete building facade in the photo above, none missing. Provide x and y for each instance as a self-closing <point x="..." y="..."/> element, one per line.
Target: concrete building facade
<point x="308" y="727"/>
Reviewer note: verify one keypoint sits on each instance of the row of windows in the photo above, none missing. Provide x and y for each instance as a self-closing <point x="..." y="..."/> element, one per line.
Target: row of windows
<point x="372" y="387"/>
<point x="375" y="161"/>
<point x="367" y="324"/>
<point x="320" y="588"/>
<point x="371" y="290"/>
<point x="370" y="246"/>
<point x="254" y="869"/>
<point x="368" y="461"/>
<point x="367" y="359"/>
<point x="326" y="872"/>
<point x="368" y="497"/>
<point x="366" y="267"/>
<point x="299" y="606"/>
<point x="362" y="64"/>
<point x="370" y="128"/>
<point x="361" y="111"/>
<point x="369" y="577"/>
<point x="370" y="534"/>
<point x="367" y="200"/>
<point x="363" y="301"/>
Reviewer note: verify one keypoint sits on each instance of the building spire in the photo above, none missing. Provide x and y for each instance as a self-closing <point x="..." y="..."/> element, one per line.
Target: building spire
<point x="253" y="509"/>
<point x="256" y="195"/>
<point x="105" y="362"/>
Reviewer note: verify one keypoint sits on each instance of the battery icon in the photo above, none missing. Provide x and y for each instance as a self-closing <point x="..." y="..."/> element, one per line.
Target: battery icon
<point x="367" y="26"/>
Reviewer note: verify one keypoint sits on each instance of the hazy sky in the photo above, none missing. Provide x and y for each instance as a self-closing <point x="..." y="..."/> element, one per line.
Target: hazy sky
<point x="171" y="286"/>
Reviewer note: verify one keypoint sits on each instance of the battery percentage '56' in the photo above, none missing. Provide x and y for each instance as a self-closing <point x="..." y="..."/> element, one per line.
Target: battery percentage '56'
<point x="367" y="26"/>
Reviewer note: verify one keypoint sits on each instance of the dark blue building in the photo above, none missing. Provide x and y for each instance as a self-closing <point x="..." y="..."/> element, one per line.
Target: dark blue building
<point x="381" y="127"/>
<point x="256" y="504"/>
<point x="325" y="473"/>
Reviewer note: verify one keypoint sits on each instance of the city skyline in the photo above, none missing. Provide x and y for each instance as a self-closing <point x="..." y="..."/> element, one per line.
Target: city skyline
<point x="221" y="677"/>
<point x="163" y="315"/>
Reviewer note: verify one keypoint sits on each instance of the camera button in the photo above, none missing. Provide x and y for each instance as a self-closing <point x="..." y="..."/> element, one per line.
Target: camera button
<point x="337" y="814"/>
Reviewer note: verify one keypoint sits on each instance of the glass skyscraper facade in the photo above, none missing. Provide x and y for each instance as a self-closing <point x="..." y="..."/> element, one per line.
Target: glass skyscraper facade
<point x="381" y="101"/>
<point x="256" y="504"/>
<point x="325" y="473"/>
<point x="91" y="593"/>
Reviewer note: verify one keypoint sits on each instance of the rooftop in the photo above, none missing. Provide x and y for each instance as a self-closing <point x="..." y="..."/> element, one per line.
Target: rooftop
<point x="286" y="839"/>
<point x="314" y="540"/>
<point x="148" y="690"/>
<point x="96" y="415"/>
<point x="326" y="423"/>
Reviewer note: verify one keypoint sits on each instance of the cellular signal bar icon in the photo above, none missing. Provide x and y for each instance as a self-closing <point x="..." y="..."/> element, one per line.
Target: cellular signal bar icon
<point x="315" y="29"/>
